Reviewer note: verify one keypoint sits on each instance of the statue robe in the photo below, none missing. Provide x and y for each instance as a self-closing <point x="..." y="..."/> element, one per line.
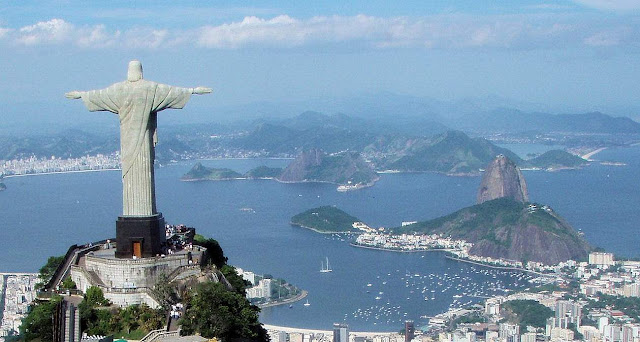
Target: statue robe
<point x="137" y="104"/>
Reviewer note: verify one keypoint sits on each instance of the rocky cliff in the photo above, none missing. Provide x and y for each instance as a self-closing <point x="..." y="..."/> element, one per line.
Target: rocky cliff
<point x="316" y="166"/>
<point x="502" y="178"/>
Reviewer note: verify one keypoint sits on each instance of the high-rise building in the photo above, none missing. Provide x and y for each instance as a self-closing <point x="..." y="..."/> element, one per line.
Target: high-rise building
<point x="409" y="330"/>
<point x="567" y="312"/>
<point x="340" y="332"/>
<point x="601" y="259"/>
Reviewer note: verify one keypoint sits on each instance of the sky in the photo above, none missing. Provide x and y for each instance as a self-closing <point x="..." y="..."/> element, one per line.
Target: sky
<point x="565" y="56"/>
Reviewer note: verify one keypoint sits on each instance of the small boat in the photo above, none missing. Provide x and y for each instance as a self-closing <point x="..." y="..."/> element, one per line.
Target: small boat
<point x="323" y="269"/>
<point x="307" y="303"/>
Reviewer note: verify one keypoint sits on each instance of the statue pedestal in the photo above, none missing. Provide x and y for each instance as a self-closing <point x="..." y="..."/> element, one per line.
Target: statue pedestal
<point x="140" y="236"/>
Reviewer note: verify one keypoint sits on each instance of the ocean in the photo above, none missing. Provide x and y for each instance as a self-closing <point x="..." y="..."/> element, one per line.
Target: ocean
<point x="370" y="290"/>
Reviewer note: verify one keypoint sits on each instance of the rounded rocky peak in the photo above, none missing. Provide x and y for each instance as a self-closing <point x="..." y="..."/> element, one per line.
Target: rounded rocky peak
<point x="502" y="178"/>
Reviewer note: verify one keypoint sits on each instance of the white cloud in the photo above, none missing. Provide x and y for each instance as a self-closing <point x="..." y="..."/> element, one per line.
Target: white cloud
<point x="52" y="31"/>
<point x="4" y="32"/>
<point x="611" y="5"/>
<point x="446" y="31"/>
<point x="609" y="37"/>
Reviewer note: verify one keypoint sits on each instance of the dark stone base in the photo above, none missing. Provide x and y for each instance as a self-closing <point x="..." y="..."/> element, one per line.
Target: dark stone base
<point x="147" y="232"/>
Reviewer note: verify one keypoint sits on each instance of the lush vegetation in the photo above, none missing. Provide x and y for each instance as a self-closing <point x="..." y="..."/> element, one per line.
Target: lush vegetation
<point x="526" y="313"/>
<point x="47" y="271"/>
<point x="212" y="309"/>
<point x="38" y="324"/>
<point x="263" y="172"/>
<point x="325" y="219"/>
<point x="96" y="318"/>
<point x="555" y="159"/>
<point x="215" y="254"/>
<point x="500" y="228"/>
<point x="629" y="305"/>
<point x="341" y="168"/>
<point x="452" y="152"/>
<point x="200" y="172"/>
<point x="215" y="311"/>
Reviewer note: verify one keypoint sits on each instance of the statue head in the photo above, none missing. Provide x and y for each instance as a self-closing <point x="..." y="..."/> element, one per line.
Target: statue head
<point x="135" y="71"/>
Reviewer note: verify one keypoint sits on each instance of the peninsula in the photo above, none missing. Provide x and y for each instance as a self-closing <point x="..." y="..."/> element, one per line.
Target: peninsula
<point x="505" y="225"/>
<point x="507" y="229"/>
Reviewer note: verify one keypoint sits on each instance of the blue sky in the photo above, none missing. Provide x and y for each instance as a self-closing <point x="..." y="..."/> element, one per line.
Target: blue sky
<point x="569" y="56"/>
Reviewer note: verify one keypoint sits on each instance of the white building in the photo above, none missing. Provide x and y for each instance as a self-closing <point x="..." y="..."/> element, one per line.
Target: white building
<point x="601" y="259"/>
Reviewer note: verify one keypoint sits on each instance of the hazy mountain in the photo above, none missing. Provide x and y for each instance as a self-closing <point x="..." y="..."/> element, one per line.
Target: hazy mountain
<point x="452" y="152"/>
<point x="317" y="166"/>
<point x="513" y="120"/>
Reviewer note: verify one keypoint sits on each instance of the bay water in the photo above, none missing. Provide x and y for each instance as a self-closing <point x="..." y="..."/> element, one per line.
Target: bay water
<point x="370" y="290"/>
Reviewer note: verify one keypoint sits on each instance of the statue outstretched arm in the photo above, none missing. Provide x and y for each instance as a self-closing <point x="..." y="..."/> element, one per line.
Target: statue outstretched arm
<point x="201" y="90"/>
<point x="74" y="95"/>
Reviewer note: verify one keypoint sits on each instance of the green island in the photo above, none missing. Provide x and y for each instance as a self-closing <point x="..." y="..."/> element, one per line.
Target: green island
<point x="325" y="219"/>
<point x="200" y="172"/>
<point x="555" y="159"/>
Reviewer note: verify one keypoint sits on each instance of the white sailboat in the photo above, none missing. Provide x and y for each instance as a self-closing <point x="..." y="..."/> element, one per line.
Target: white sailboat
<point x="323" y="269"/>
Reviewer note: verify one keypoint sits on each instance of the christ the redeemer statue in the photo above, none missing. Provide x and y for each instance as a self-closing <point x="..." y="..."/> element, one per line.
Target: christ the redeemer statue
<point x="137" y="102"/>
<point x="140" y="231"/>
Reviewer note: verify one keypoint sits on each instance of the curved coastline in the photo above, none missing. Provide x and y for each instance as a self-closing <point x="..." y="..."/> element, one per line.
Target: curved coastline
<point x="399" y="250"/>
<point x="321" y="231"/>
<point x="326" y="332"/>
<point x="58" y="172"/>
<point x="508" y="268"/>
<point x="293" y="299"/>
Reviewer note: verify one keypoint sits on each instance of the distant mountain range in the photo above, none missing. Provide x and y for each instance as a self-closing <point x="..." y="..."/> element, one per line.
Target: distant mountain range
<point x="69" y="144"/>
<point x="403" y="143"/>
<point x="513" y="120"/>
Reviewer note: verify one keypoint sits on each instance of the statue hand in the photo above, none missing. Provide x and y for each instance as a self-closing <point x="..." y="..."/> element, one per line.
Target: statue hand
<point x="73" y="95"/>
<point x="202" y="90"/>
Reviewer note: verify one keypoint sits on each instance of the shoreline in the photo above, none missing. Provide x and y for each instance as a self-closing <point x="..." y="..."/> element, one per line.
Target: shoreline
<point x="58" y="172"/>
<point x="294" y="299"/>
<point x="326" y="332"/>
<point x="508" y="268"/>
<point x="588" y="156"/>
<point x="399" y="250"/>
<point x="320" y="231"/>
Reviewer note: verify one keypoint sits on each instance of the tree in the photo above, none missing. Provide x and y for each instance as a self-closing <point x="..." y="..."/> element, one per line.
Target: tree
<point x="214" y="251"/>
<point x="164" y="292"/>
<point x="67" y="283"/>
<point x="238" y="283"/>
<point x="95" y="297"/>
<point x="47" y="271"/>
<point x="214" y="311"/>
<point x="39" y="323"/>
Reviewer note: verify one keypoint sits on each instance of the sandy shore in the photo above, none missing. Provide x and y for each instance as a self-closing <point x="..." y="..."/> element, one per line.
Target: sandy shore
<point x="57" y="172"/>
<point x="325" y="332"/>
<point x="592" y="153"/>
